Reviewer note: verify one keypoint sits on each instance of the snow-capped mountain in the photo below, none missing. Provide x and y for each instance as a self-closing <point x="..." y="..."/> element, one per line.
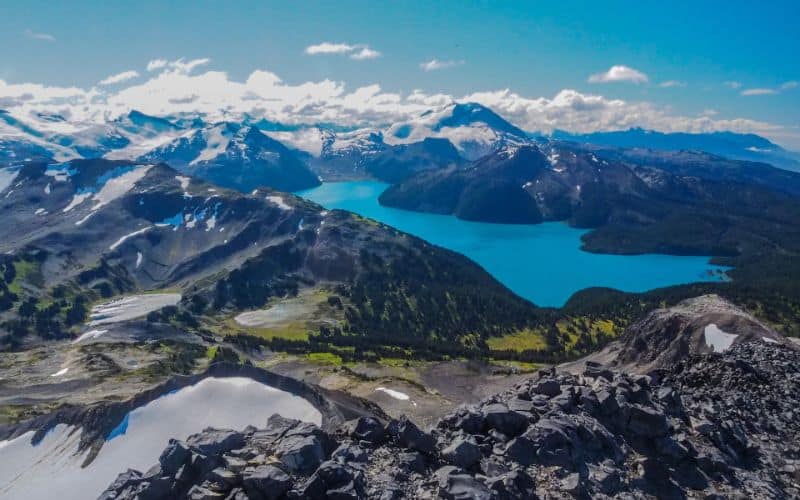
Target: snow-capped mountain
<point x="473" y="129"/>
<point x="52" y="137"/>
<point x="235" y="156"/>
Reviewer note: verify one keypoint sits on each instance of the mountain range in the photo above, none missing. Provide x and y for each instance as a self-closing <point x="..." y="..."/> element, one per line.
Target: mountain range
<point x="291" y="157"/>
<point x="750" y="147"/>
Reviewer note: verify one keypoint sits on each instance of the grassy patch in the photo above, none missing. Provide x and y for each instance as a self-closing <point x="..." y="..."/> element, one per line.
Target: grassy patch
<point x="520" y="341"/>
<point x="324" y="358"/>
<point x="295" y="330"/>
<point x="520" y="366"/>
<point x="23" y="268"/>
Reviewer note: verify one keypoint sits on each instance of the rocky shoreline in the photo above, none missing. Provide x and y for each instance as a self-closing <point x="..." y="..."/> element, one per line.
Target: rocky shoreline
<point x="714" y="425"/>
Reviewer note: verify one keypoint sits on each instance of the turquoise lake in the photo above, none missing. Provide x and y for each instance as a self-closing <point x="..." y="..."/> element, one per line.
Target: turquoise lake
<point x="542" y="263"/>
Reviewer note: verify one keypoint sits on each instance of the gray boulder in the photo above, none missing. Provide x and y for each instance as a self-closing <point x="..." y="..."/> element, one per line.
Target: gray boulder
<point x="266" y="482"/>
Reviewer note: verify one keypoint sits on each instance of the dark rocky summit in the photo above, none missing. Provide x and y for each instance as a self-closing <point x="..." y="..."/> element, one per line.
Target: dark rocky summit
<point x="711" y="426"/>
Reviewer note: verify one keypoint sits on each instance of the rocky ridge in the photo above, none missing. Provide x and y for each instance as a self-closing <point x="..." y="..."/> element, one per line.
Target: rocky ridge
<point x="714" y="425"/>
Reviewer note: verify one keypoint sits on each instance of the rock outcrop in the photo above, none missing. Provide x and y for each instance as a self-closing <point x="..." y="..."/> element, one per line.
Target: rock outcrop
<point x="713" y="425"/>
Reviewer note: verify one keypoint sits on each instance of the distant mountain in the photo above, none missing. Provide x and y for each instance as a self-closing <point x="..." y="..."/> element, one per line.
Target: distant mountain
<point x="729" y="144"/>
<point x="365" y="154"/>
<point x="235" y="156"/>
<point x="703" y="165"/>
<point x="50" y="137"/>
<point x="635" y="206"/>
<point x="474" y="130"/>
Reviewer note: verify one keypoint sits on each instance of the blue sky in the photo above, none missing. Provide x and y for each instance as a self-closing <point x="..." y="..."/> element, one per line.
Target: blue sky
<point x="535" y="49"/>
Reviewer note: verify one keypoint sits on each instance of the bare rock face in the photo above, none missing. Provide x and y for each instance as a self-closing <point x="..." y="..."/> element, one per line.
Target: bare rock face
<point x="699" y="325"/>
<point x="713" y="425"/>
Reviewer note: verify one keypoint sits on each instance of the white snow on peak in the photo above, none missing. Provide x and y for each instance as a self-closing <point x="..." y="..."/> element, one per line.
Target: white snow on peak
<point x="113" y="188"/>
<point x="717" y="339"/>
<point x="217" y="139"/>
<point x="279" y="201"/>
<point x="184" y="181"/>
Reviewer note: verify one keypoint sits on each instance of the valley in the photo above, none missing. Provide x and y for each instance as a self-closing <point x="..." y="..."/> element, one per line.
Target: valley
<point x="153" y="268"/>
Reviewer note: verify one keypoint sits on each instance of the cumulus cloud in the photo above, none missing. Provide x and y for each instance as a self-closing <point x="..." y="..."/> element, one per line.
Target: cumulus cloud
<point x="37" y="35"/>
<point x="619" y="73"/>
<point x="759" y="91"/>
<point x="436" y="64"/>
<point x="733" y="84"/>
<point x="119" y="78"/>
<point x="358" y="52"/>
<point x="672" y="83"/>
<point x="176" y="90"/>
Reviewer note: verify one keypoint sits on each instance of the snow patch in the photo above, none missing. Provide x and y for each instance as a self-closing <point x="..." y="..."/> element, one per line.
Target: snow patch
<point x="40" y="211"/>
<point x="7" y="176"/>
<point x="184" y="182"/>
<point x="91" y="334"/>
<point x="138" y="259"/>
<point x="717" y="339"/>
<point x="402" y="396"/>
<point x="119" y="185"/>
<point x="77" y="199"/>
<point x="131" y="307"/>
<point x="216" y="144"/>
<point x="278" y="200"/>
<point x="129" y="235"/>
<point x="54" y="464"/>
<point x="60" y="373"/>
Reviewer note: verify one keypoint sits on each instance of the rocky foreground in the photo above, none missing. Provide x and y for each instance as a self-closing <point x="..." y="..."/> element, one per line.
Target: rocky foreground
<point x="714" y="425"/>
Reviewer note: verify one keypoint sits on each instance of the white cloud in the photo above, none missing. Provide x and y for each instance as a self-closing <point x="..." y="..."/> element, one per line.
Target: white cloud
<point x="733" y="84"/>
<point x="672" y="83"/>
<point x="177" y="90"/>
<point x="329" y="48"/>
<point x="790" y="85"/>
<point x="619" y="73"/>
<point x="177" y="66"/>
<point x="36" y="35"/>
<point x="156" y="64"/>
<point x="358" y="52"/>
<point x="436" y="64"/>
<point x="759" y="91"/>
<point x="119" y="78"/>
<point x="365" y="53"/>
